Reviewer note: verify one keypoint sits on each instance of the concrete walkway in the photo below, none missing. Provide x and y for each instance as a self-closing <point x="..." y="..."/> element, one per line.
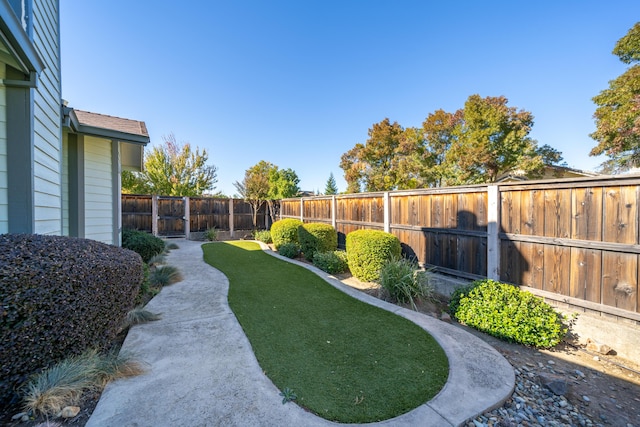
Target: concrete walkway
<point x="202" y="371"/>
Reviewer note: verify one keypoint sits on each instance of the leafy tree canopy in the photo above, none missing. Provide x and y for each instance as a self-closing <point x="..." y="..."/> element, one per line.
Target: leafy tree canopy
<point x="265" y="182"/>
<point x="617" y="115"/>
<point x="472" y="145"/>
<point x="172" y="169"/>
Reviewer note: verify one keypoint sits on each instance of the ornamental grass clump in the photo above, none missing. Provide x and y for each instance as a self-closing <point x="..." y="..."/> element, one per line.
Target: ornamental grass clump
<point x="164" y="276"/>
<point x="405" y="282"/>
<point x="64" y="383"/>
<point x="506" y="312"/>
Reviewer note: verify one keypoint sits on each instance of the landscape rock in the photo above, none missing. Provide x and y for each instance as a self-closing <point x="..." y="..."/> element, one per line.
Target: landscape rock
<point x="69" y="411"/>
<point x="598" y="347"/>
<point x="555" y="383"/>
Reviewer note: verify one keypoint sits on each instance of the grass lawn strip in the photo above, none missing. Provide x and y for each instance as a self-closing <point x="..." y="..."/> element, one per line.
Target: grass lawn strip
<point x="345" y="360"/>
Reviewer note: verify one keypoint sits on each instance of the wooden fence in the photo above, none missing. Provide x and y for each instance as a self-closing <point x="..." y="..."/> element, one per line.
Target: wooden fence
<point x="574" y="241"/>
<point x="181" y="216"/>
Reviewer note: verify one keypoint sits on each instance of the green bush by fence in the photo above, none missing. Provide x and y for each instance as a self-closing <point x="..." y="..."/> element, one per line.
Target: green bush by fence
<point x="368" y="250"/>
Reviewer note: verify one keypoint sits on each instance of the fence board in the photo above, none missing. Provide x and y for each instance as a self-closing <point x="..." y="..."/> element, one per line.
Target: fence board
<point x="586" y="271"/>
<point x="556" y="269"/>
<point x="587" y="213"/>
<point x="620" y="280"/>
<point x="533" y="274"/>
<point x="621" y="215"/>
<point x="557" y="213"/>
<point x="532" y="212"/>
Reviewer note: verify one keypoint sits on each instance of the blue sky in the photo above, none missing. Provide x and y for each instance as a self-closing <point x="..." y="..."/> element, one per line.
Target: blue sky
<point x="298" y="83"/>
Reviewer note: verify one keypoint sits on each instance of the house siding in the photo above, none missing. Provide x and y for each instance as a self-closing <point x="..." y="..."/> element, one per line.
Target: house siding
<point x="47" y="126"/>
<point x="4" y="197"/>
<point x="65" y="184"/>
<point x="97" y="190"/>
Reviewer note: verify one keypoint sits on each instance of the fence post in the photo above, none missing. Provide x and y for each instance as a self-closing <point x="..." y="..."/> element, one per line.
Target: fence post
<point x="334" y="222"/>
<point x="387" y="212"/>
<point x="493" y="240"/>
<point x="154" y="214"/>
<point x="187" y="218"/>
<point x="231" y="233"/>
<point x="302" y="209"/>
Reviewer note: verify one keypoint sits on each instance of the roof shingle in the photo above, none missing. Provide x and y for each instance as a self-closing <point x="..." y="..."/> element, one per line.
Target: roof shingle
<point x="104" y="121"/>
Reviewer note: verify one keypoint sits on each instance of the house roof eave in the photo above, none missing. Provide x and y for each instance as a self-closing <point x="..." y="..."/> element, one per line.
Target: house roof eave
<point x="16" y="39"/>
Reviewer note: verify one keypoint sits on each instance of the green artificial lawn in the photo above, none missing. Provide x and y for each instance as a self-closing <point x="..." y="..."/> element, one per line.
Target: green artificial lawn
<point x="345" y="360"/>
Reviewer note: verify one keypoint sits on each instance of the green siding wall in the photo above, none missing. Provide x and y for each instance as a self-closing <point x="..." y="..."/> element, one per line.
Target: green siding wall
<point x="98" y="190"/>
<point x="47" y="126"/>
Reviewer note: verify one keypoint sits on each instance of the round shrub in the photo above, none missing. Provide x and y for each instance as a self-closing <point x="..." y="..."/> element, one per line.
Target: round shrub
<point x="60" y="296"/>
<point x="285" y="231"/>
<point x="290" y="250"/>
<point x="332" y="262"/>
<point x="509" y="313"/>
<point x="368" y="251"/>
<point x="317" y="237"/>
<point x="145" y="244"/>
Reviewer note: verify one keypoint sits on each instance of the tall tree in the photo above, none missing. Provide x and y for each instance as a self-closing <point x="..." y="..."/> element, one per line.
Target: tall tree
<point x="266" y="183"/>
<point x="172" y="169"/>
<point x="617" y="114"/>
<point x="283" y="184"/>
<point x="369" y="166"/>
<point x="492" y="138"/>
<point x="331" y="187"/>
<point x="255" y="187"/>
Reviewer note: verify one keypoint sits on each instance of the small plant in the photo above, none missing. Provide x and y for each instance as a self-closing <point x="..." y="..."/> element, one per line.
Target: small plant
<point x="63" y="384"/>
<point x="404" y="282"/>
<point x="506" y="312"/>
<point x="211" y="234"/>
<point x="288" y="395"/>
<point x="165" y="275"/>
<point x="139" y="315"/>
<point x="334" y="262"/>
<point x="145" y="244"/>
<point x="157" y="260"/>
<point x="170" y="246"/>
<point x="263" y="236"/>
<point x="290" y="250"/>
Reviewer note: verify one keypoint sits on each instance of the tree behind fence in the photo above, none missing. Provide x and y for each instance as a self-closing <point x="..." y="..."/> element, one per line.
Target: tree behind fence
<point x="574" y="241"/>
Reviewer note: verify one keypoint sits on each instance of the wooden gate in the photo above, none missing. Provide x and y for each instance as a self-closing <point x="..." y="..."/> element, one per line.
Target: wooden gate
<point x="171" y="216"/>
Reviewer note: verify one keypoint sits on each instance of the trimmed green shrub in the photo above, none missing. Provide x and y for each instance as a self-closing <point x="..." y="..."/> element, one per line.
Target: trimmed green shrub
<point x="404" y="282"/>
<point x="285" y="231"/>
<point x="317" y="237"/>
<point x="332" y="262"/>
<point x="263" y="236"/>
<point x="368" y="251"/>
<point x="509" y="313"/>
<point x="290" y="250"/>
<point x="60" y="296"/>
<point x="145" y="244"/>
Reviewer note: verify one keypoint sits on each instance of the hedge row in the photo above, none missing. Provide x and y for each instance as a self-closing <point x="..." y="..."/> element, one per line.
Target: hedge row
<point x="60" y="296"/>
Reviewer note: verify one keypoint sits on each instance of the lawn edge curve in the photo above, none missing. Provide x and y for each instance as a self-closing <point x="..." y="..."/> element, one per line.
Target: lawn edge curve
<point x="480" y="379"/>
